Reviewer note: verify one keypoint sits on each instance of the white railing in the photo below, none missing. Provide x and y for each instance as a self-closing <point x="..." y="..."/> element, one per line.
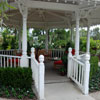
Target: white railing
<point x="10" y="52"/>
<point x="82" y="57"/>
<point x="38" y="69"/>
<point x="9" y="61"/>
<point x="57" y="53"/>
<point x="78" y="71"/>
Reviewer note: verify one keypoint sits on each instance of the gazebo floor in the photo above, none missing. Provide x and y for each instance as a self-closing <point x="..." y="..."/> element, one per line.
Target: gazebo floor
<point x="60" y="87"/>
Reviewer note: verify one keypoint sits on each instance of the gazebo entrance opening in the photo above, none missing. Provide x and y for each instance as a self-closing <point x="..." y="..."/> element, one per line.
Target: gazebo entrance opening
<point x="48" y="14"/>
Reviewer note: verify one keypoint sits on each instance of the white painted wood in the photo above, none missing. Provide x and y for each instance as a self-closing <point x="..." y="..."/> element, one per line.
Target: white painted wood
<point x="35" y="70"/>
<point x="88" y="40"/>
<point x="24" y="60"/>
<point x="41" y="77"/>
<point x="80" y="72"/>
<point x="20" y="39"/>
<point x="46" y="40"/>
<point x="69" y="62"/>
<point x="55" y="54"/>
<point x="77" y="34"/>
<point x="9" y="61"/>
<point x="72" y="33"/>
<point x="86" y="74"/>
<point x="51" y="5"/>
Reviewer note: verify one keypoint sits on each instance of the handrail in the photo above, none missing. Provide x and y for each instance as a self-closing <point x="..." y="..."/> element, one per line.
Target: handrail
<point x="10" y="56"/>
<point x="78" y="70"/>
<point x="78" y="61"/>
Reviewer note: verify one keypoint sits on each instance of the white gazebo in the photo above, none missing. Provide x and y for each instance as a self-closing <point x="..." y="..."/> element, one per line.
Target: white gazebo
<point x="47" y="14"/>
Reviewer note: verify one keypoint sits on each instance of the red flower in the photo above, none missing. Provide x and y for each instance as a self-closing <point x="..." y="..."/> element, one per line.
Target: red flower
<point x="73" y="52"/>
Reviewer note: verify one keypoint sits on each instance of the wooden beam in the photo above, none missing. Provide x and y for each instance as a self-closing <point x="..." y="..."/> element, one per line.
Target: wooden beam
<point x="48" y="5"/>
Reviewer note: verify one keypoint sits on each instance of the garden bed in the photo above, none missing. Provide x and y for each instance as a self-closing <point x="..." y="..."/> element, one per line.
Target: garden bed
<point x="16" y="83"/>
<point x="17" y="93"/>
<point x="95" y="82"/>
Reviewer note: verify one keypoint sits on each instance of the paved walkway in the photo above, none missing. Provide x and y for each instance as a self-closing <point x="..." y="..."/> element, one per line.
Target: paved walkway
<point x="96" y="95"/>
<point x="60" y="88"/>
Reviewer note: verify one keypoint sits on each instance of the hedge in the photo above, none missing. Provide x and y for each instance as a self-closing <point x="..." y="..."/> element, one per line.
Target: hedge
<point x="16" y="77"/>
<point x="93" y="65"/>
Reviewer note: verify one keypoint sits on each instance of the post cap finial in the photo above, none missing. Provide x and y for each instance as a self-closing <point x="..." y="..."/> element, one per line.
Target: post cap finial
<point x="70" y="49"/>
<point x="87" y="57"/>
<point x="41" y="58"/>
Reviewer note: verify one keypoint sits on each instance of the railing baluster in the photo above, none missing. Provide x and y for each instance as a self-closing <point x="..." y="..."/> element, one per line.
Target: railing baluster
<point x="80" y="72"/>
<point x="11" y="61"/>
<point x="4" y="62"/>
<point x="14" y="62"/>
<point x="7" y="62"/>
<point x="18" y="62"/>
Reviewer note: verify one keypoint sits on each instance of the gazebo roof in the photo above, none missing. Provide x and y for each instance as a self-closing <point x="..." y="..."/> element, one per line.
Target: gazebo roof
<point x="54" y="13"/>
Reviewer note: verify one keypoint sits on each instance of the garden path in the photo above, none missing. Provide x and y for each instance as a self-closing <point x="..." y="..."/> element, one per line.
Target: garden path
<point x="61" y="88"/>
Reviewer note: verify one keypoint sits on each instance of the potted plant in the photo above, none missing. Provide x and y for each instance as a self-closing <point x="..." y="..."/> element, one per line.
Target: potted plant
<point x="62" y="71"/>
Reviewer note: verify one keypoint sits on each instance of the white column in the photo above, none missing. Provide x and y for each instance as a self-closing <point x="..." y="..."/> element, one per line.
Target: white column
<point x="86" y="74"/>
<point x="88" y="40"/>
<point x="71" y="34"/>
<point x="77" y="35"/>
<point x="46" y="40"/>
<point x="24" y="60"/>
<point x="20" y="39"/>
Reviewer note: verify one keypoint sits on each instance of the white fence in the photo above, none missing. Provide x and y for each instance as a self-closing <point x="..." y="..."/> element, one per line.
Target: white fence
<point x="10" y="52"/>
<point x="9" y="61"/>
<point x="38" y="69"/>
<point x="12" y="61"/>
<point x="57" y="53"/>
<point x="78" y="71"/>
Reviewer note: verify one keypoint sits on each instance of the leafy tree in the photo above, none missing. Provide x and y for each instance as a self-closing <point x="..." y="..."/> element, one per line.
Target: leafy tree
<point x="83" y="33"/>
<point x="4" y="6"/>
<point x="96" y="33"/>
<point x="10" y="40"/>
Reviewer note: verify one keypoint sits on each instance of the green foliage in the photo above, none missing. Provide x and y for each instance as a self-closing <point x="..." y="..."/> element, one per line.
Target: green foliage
<point x="4" y="6"/>
<point x="64" y="58"/>
<point x="69" y="44"/>
<point x="16" y="93"/>
<point x="16" y="77"/>
<point x="94" y="84"/>
<point x="95" y="33"/>
<point x="94" y="45"/>
<point x="9" y="41"/>
<point x="94" y="65"/>
<point x="60" y="37"/>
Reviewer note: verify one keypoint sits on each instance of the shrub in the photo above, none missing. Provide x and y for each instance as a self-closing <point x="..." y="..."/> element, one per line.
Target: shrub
<point x="64" y="58"/>
<point x="94" y="65"/>
<point x="16" y="77"/>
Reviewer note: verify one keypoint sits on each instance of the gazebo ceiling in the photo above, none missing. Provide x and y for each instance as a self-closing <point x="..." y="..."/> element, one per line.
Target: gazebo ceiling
<point x="54" y="13"/>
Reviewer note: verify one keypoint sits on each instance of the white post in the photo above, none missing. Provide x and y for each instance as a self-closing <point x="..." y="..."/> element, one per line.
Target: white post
<point x="69" y="62"/>
<point x="20" y="39"/>
<point x="41" y="77"/>
<point x="86" y="74"/>
<point x="24" y="60"/>
<point x="71" y="34"/>
<point x="32" y="58"/>
<point x="46" y="40"/>
<point x="77" y="35"/>
<point x="88" y="40"/>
